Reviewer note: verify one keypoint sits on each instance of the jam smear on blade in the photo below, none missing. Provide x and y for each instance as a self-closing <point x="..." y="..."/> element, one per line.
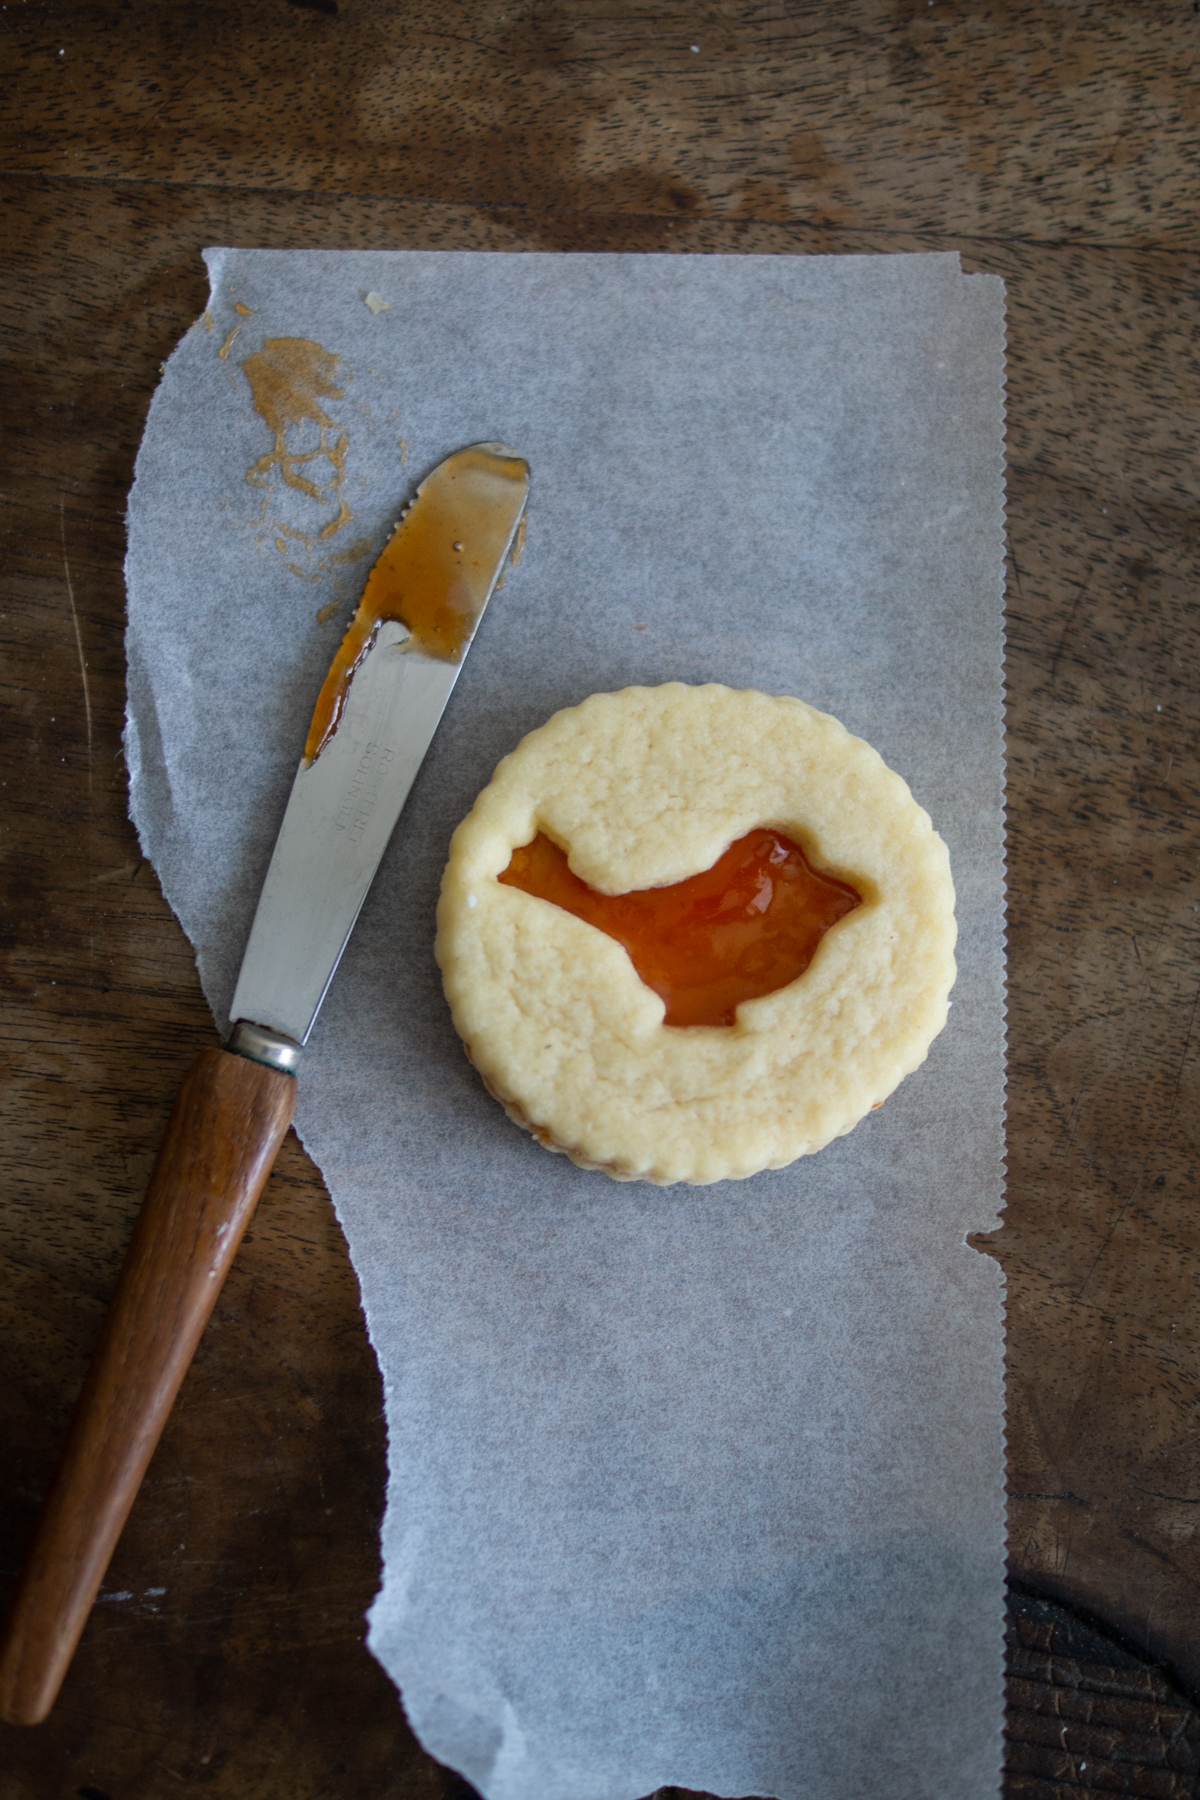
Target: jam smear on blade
<point x="745" y="927"/>
<point x="434" y="572"/>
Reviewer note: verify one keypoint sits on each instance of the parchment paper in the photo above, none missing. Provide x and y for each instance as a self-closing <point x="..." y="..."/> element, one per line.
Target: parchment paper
<point x="694" y="1486"/>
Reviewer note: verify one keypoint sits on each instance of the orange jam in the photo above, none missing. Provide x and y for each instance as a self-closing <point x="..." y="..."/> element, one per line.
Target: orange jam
<point x="435" y="572"/>
<point x="743" y="928"/>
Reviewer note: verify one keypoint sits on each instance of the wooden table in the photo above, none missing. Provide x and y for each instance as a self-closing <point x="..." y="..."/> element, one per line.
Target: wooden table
<point x="1055" y="144"/>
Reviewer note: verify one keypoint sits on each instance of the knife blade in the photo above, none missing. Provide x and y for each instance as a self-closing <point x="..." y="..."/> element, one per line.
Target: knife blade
<point x="375" y="716"/>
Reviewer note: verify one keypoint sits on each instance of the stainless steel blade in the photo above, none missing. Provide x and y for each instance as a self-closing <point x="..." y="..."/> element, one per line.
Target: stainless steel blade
<point x="341" y="813"/>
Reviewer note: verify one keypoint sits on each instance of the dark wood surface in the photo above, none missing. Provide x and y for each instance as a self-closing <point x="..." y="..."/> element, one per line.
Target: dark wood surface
<point x="226" y="1127"/>
<point x="1055" y="144"/>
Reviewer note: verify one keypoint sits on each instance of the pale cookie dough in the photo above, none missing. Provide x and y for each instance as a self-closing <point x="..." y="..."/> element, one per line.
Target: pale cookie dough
<point x="642" y="789"/>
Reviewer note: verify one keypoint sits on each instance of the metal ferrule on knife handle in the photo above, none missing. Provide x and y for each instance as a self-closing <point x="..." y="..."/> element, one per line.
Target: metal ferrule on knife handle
<point x="270" y="1048"/>
<point x="376" y="714"/>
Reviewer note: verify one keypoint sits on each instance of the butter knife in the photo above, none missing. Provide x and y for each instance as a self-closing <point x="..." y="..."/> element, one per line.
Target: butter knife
<point x="375" y="716"/>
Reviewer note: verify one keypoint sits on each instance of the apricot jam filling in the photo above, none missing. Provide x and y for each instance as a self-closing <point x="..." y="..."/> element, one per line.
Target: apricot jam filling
<point x="435" y="572"/>
<point x="745" y="927"/>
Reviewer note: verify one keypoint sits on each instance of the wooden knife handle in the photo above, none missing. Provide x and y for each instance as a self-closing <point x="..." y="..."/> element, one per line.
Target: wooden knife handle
<point x="224" y="1133"/>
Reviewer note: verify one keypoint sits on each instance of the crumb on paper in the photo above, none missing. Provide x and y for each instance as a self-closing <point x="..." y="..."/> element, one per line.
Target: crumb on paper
<point x="247" y="312"/>
<point x="403" y="447"/>
<point x="206" y="319"/>
<point x="377" y="303"/>
<point x="227" y="346"/>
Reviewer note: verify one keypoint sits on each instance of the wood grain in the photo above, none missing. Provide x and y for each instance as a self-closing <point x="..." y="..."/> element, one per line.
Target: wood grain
<point x="1054" y="144"/>
<point x="1087" y="1716"/>
<point x="222" y="1137"/>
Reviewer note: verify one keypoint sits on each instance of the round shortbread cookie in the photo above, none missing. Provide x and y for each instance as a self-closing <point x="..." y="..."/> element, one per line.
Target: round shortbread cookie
<point x="642" y="789"/>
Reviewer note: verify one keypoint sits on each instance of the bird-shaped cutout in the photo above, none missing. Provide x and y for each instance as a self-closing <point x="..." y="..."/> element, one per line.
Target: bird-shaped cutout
<point x="743" y="928"/>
